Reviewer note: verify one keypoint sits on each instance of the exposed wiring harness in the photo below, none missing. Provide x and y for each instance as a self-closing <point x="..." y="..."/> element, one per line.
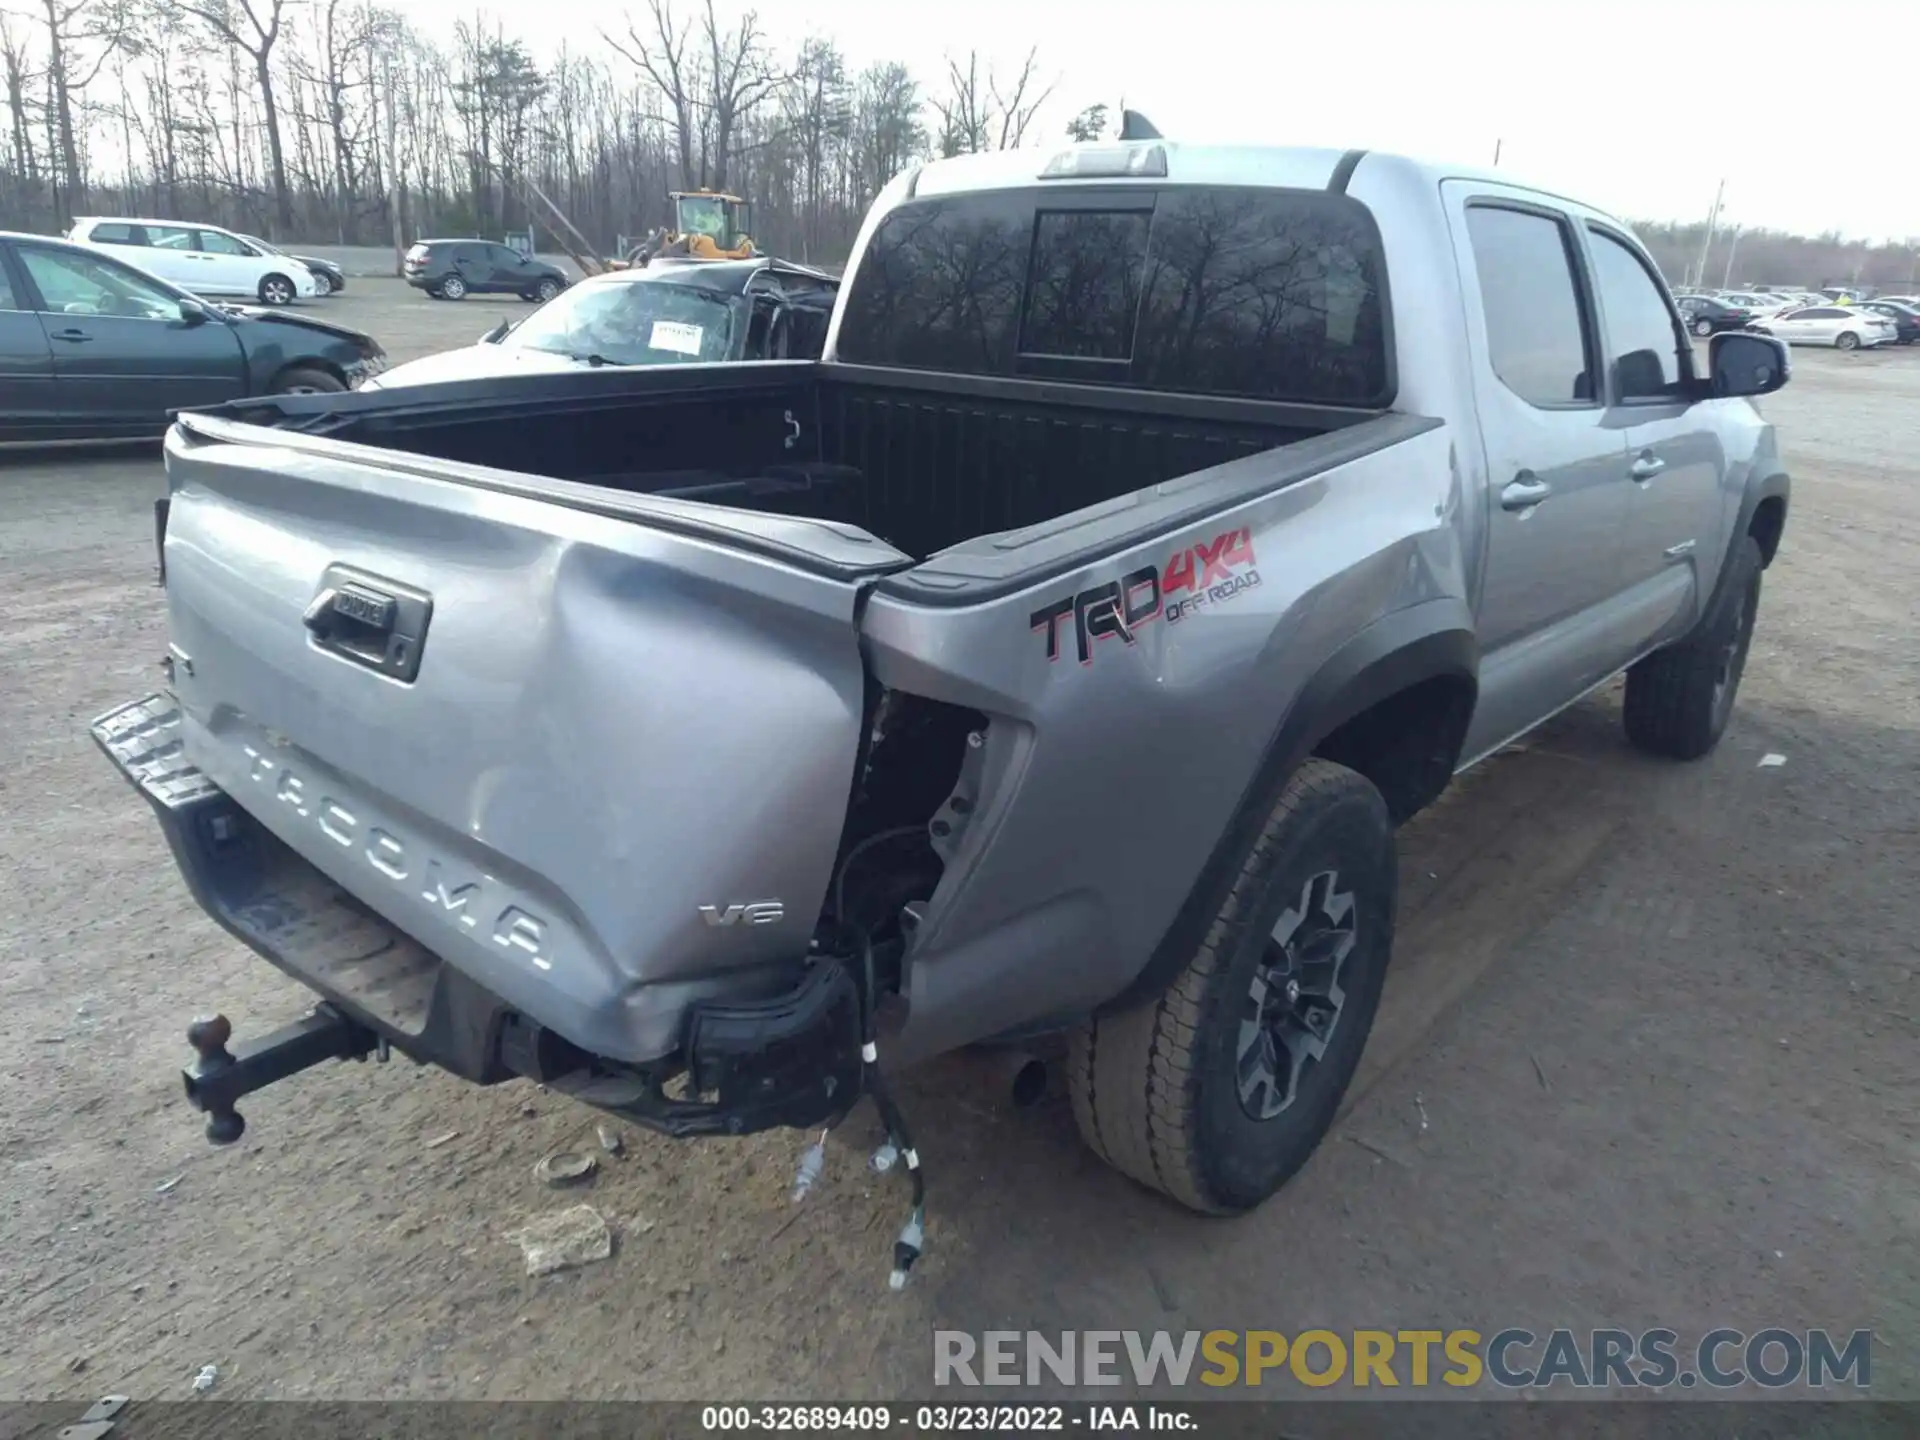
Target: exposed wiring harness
<point x="912" y="1237"/>
<point x="908" y="1244"/>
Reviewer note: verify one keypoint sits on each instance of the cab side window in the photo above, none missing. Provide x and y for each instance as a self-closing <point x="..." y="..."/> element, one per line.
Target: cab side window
<point x="1641" y="334"/>
<point x="1537" y="340"/>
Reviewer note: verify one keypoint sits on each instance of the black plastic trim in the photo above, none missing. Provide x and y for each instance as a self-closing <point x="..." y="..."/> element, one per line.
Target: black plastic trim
<point x="993" y="566"/>
<point x="1128" y="400"/>
<point x="686" y="518"/>
<point x="1421" y="643"/>
<point x="1343" y="172"/>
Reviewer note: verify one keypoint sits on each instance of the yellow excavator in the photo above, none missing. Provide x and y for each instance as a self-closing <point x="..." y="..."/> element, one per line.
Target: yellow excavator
<point x="707" y="225"/>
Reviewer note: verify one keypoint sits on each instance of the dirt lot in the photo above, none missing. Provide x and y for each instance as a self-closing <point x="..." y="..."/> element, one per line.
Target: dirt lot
<point x="1649" y="1055"/>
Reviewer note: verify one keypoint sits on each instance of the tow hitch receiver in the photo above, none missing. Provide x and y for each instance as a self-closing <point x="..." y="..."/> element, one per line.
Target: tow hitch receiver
<point x="221" y="1076"/>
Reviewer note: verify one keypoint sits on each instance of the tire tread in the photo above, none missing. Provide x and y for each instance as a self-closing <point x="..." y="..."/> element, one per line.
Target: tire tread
<point x="1134" y="1074"/>
<point x="1669" y="703"/>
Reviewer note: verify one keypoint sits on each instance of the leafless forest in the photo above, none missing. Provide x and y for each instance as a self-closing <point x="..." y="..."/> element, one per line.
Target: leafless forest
<point x="341" y="121"/>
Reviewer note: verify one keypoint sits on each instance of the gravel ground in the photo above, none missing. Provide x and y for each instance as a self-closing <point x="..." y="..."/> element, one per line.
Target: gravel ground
<point x="1648" y="1055"/>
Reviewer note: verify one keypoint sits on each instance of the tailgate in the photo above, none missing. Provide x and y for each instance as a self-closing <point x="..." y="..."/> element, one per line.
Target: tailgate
<point x="535" y="725"/>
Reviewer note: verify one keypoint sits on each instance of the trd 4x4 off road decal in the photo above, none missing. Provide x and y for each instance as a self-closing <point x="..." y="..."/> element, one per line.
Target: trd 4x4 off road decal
<point x="1196" y="577"/>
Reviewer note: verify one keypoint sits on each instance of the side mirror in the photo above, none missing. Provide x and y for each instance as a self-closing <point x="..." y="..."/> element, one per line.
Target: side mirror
<point x="192" y="312"/>
<point x="1742" y="363"/>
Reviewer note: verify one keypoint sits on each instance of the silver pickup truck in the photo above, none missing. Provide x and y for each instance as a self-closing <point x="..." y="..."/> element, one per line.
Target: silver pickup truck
<point x="1163" y="526"/>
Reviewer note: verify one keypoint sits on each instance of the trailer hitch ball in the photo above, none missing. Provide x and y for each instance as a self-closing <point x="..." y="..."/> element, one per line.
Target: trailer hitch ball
<point x="208" y="1036"/>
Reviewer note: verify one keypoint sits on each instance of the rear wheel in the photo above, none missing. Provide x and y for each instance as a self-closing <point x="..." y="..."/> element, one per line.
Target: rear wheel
<point x="1218" y="1092"/>
<point x="277" y="290"/>
<point x="1846" y="340"/>
<point x="1703" y="327"/>
<point x="1679" y="699"/>
<point x="304" y="381"/>
<point x="453" y="288"/>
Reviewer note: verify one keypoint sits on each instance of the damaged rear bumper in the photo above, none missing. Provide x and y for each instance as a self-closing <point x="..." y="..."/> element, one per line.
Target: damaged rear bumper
<point x="744" y="1063"/>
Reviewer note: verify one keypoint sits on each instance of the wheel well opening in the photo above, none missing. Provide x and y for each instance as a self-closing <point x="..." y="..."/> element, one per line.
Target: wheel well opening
<point x="1408" y="743"/>
<point x="324" y="367"/>
<point x="1768" y="523"/>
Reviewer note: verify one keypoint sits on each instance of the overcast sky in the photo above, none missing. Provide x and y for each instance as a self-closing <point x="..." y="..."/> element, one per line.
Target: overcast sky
<point x="1810" y="109"/>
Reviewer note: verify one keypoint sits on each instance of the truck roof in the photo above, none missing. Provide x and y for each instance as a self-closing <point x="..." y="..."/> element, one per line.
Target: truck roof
<point x="1275" y="166"/>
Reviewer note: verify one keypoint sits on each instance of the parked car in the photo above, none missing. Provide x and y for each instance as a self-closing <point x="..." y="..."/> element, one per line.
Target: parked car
<point x="1755" y="302"/>
<point x="1704" y="315"/>
<point x="455" y="269"/>
<point x="667" y="314"/>
<point x="332" y="278"/>
<point x="202" y="259"/>
<point x="92" y="348"/>
<point x="1905" y="318"/>
<point x="703" y="741"/>
<point x="1845" y="327"/>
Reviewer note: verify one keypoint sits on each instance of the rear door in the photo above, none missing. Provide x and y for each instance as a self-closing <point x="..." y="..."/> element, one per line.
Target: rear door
<point x="473" y="264"/>
<point x="1804" y="326"/>
<point x="123" y="356"/>
<point x="27" y="406"/>
<point x="173" y="253"/>
<point x="511" y="272"/>
<point x="237" y="268"/>
<point x="581" y="717"/>
<point x="1676" y="464"/>
<point x="1556" y="466"/>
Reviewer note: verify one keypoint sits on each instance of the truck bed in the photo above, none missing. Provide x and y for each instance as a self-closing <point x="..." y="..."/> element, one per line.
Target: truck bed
<point x="921" y="461"/>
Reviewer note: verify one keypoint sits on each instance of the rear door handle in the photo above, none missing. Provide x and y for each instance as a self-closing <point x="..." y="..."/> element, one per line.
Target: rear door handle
<point x="1524" y="492"/>
<point x="72" y="337"/>
<point x="1646" y="466"/>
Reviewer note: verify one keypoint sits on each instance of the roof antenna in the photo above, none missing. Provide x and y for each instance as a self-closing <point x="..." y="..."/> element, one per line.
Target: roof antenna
<point x="1135" y="126"/>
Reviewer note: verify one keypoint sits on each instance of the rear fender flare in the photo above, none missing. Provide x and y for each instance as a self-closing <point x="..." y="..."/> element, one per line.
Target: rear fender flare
<point x="1776" y="485"/>
<point x="1424" y="642"/>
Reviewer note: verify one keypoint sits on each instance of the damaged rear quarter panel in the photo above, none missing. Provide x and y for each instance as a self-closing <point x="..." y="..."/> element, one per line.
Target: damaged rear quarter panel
<point x="1130" y="702"/>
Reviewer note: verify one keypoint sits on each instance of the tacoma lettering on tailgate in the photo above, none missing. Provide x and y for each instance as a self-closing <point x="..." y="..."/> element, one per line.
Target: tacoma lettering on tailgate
<point x="464" y="899"/>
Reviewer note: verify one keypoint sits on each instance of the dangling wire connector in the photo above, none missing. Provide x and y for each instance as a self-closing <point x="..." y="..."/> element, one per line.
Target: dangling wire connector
<point x="812" y="1161"/>
<point x="906" y="1249"/>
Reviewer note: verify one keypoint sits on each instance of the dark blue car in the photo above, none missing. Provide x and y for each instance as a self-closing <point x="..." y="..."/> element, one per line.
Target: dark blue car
<point x="92" y="348"/>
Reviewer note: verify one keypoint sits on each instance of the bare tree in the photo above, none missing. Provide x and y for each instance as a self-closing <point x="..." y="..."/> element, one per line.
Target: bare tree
<point x="964" y="121"/>
<point x="73" y="28"/>
<point x="980" y="112"/>
<point x="1017" y="103"/>
<point x="888" y="132"/>
<point x="19" y="78"/>
<point x="740" y="78"/>
<point x="663" y="60"/>
<point x="253" y="28"/>
<point x="817" y="107"/>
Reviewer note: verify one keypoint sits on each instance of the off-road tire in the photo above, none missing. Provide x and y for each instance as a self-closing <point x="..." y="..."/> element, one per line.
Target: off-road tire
<point x="1676" y="705"/>
<point x="1154" y="1088"/>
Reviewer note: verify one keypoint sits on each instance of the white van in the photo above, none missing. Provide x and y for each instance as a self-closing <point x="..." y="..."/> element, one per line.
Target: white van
<point x="201" y="258"/>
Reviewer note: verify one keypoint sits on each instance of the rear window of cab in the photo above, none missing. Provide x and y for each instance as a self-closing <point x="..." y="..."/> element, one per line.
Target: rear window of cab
<point x="1263" y="294"/>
